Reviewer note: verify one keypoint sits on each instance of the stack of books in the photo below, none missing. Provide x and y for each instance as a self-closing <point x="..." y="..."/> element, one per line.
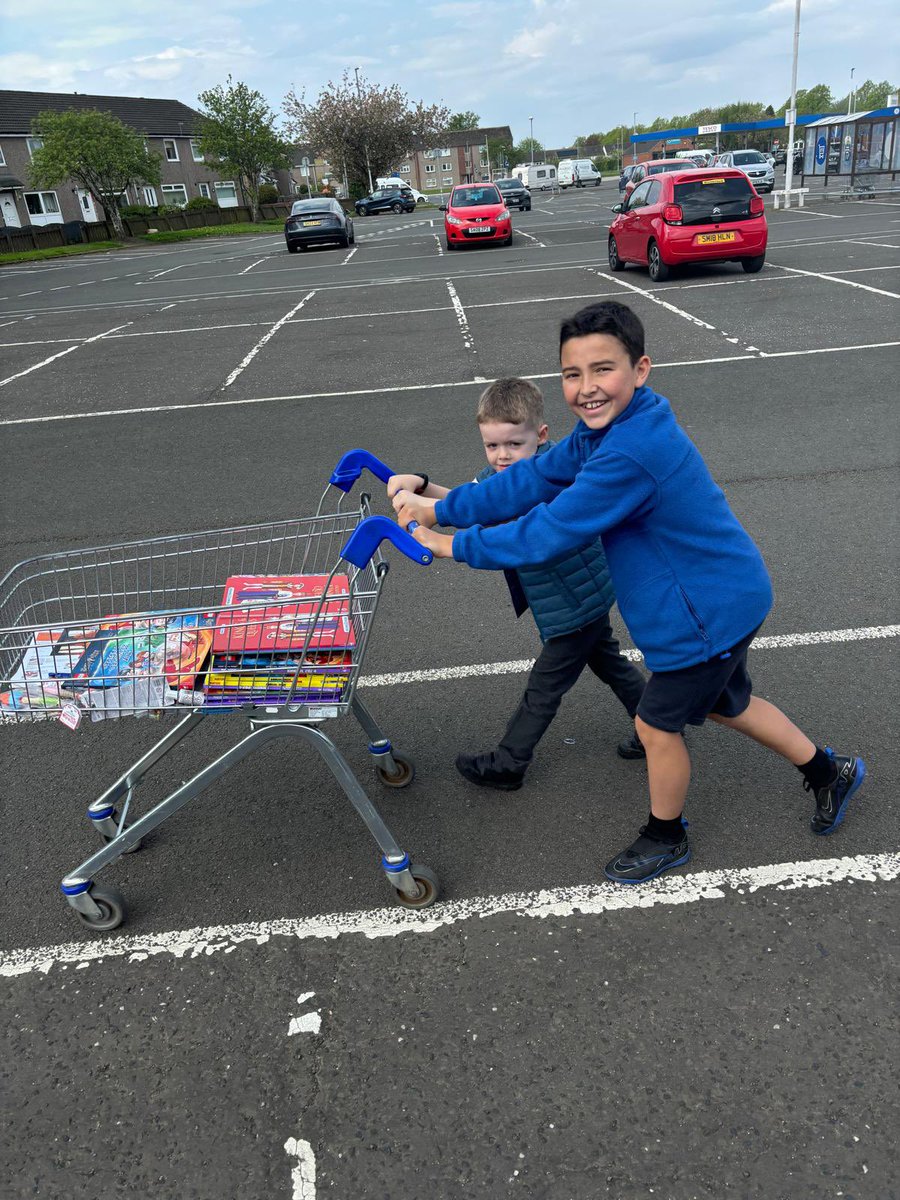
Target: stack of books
<point x="276" y="628"/>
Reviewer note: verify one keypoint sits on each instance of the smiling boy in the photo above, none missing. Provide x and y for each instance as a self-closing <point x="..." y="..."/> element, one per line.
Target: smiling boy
<point x="569" y="596"/>
<point x="692" y="586"/>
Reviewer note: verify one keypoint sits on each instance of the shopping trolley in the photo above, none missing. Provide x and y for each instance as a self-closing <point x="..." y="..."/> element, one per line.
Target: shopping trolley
<point x="58" y="621"/>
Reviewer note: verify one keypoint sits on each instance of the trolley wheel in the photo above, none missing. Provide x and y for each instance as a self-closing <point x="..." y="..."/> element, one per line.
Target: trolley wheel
<point x="404" y="778"/>
<point x="112" y="910"/>
<point x="429" y="888"/>
<point x="106" y="839"/>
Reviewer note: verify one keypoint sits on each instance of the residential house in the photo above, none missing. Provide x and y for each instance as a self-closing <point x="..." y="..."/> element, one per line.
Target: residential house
<point x="308" y="173"/>
<point x="462" y="157"/>
<point x="169" y="128"/>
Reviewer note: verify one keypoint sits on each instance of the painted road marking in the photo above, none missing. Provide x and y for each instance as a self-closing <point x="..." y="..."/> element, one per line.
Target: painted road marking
<point x="586" y="899"/>
<point x="62" y="354"/>
<point x="248" y="359"/>
<point x="836" y="279"/>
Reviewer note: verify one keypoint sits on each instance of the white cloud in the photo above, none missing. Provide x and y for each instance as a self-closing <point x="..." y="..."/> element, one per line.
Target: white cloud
<point x="35" y="72"/>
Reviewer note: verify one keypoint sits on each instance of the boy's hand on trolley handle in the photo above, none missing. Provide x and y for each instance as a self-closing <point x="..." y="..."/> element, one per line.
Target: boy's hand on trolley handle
<point x="420" y="509"/>
<point x="403" y="483"/>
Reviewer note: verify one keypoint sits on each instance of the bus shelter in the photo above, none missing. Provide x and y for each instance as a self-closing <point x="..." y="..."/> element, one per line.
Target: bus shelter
<point x="859" y="152"/>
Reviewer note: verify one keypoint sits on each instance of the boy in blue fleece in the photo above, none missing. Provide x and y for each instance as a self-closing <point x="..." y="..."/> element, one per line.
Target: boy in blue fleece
<point x="691" y="585"/>
<point x="569" y="597"/>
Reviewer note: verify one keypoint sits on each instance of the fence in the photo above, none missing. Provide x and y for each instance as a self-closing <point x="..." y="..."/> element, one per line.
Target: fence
<point x="72" y="232"/>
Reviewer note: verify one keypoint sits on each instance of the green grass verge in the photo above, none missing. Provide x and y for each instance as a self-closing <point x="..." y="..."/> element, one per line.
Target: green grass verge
<point x="205" y="231"/>
<point x="20" y="256"/>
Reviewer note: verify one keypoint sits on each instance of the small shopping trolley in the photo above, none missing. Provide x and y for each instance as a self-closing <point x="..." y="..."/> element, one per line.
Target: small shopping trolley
<point x="269" y="620"/>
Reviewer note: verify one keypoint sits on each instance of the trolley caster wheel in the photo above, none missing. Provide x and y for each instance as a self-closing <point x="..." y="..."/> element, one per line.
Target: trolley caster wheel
<point x="429" y="888"/>
<point x="112" y="910"/>
<point x="405" y="777"/>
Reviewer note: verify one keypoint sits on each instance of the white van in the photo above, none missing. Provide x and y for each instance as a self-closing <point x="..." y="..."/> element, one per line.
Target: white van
<point x="577" y="172"/>
<point x="536" y="175"/>
<point x="701" y="157"/>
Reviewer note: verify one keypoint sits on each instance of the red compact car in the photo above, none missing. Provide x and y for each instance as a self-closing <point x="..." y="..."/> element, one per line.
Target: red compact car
<point x="476" y="213"/>
<point x="704" y="214"/>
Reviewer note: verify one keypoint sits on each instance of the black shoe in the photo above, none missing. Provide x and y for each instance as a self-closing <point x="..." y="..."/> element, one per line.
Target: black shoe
<point x="631" y="747"/>
<point x="646" y="858"/>
<point x="832" y="800"/>
<point x="484" y="770"/>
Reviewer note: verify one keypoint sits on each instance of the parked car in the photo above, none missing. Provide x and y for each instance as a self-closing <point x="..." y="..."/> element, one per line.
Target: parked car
<point x="779" y="157"/>
<point x="316" y="221"/>
<point x="754" y="165"/>
<point x="696" y="215"/>
<point x="655" y="166"/>
<point x="476" y="213"/>
<point x="536" y="175"/>
<point x="515" y="193"/>
<point x="393" y="181"/>
<point x="388" y="199"/>
<point x="627" y="172"/>
<point x="577" y="172"/>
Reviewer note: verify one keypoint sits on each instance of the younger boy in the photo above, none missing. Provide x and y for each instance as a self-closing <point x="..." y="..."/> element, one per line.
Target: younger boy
<point x="569" y="597"/>
<point x="692" y="586"/>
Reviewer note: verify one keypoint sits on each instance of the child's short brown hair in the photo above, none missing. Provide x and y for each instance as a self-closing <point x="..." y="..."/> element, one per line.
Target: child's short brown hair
<point x="513" y="401"/>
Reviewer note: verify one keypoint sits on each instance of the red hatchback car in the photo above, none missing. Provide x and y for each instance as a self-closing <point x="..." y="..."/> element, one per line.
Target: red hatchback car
<point x="693" y="215"/>
<point x="476" y="213"/>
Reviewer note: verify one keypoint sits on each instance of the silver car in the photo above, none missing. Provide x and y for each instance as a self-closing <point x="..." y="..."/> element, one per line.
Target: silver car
<point x="755" y="166"/>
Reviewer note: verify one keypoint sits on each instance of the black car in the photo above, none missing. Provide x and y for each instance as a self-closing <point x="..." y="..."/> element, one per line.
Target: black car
<point x="515" y="194"/>
<point x="317" y="221"/>
<point x="626" y="174"/>
<point x="392" y="199"/>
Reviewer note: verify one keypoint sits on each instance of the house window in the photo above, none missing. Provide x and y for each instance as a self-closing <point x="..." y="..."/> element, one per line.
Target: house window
<point x="175" y="193"/>
<point x="405" y="170"/>
<point x="226" y="194"/>
<point x="445" y="154"/>
<point x="33" y="144"/>
<point x="43" y="208"/>
<point x="150" y="197"/>
<point x="2" y="159"/>
<point x="171" y="149"/>
<point x="204" y="190"/>
<point x="195" y="151"/>
<point x="430" y="168"/>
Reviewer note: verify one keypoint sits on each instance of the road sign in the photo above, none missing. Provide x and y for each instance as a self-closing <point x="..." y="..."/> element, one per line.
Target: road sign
<point x="709" y="129"/>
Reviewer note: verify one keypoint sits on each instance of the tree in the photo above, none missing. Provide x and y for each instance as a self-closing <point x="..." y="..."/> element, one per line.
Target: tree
<point x="500" y="154"/>
<point x="867" y="96"/>
<point x="814" y="100"/>
<point x="521" y="152"/>
<point x="95" y="149"/>
<point x="365" y="128"/>
<point x="464" y="120"/>
<point x="237" y="132"/>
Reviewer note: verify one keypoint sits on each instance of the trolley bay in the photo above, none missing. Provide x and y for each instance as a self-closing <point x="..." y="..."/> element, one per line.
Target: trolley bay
<point x="267" y="1022"/>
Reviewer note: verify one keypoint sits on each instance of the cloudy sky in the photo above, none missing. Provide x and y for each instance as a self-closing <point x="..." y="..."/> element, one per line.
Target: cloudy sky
<point x="575" y="65"/>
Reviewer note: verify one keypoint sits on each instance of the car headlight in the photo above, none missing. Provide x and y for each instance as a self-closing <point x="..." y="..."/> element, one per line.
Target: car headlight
<point x="503" y="215"/>
<point x="454" y="220"/>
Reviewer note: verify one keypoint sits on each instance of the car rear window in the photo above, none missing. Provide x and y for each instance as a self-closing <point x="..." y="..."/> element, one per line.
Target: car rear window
<point x="661" y="168"/>
<point x="698" y="197"/>
<point x="472" y="197"/>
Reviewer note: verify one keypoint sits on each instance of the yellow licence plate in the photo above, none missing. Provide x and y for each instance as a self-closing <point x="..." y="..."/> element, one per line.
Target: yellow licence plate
<point x="706" y="238"/>
<point x="306" y="224"/>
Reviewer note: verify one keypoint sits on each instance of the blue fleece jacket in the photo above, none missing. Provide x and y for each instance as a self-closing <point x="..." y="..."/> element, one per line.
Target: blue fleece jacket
<point x="689" y="580"/>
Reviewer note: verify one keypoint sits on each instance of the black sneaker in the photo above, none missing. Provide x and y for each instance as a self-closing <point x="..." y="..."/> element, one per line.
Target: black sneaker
<point x="631" y="747"/>
<point x="484" y="770"/>
<point x="648" y="857"/>
<point x="832" y="800"/>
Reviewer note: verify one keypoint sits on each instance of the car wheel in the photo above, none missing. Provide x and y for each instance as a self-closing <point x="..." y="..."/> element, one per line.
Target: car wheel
<point x="659" y="272"/>
<point x="597" y="183"/>
<point x="397" y="208"/>
<point x="352" y="236"/>
<point x="612" y="250"/>
<point x="508" y="241"/>
<point x="345" y="241"/>
<point x="304" y="247"/>
<point x="752" y="265"/>
<point x="528" y="208"/>
<point x="450" y="246"/>
<point x="292" y="249"/>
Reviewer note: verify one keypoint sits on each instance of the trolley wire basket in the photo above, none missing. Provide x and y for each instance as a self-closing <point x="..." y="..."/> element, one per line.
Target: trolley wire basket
<point x="270" y="619"/>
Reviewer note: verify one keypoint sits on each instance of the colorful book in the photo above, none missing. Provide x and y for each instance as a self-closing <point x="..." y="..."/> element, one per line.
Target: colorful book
<point x="296" y="616"/>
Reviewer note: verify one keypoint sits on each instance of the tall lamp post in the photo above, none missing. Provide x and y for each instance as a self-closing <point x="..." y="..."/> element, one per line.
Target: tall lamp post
<point x="792" y="114"/>
<point x="359" y="96"/>
<point x="531" y="136"/>
<point x="634" y="134"/>
<point x="850" y="96"/>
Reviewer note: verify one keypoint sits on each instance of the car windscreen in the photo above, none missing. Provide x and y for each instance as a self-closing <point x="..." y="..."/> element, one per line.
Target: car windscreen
<point x="473" y="197"/>
<point x="743" y="158"/>
<point x="506" y="185"/>
<point x="699" y="197"/>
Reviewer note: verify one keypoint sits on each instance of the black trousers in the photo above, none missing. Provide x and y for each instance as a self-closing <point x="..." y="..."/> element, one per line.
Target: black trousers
<point x="556" y="671"/>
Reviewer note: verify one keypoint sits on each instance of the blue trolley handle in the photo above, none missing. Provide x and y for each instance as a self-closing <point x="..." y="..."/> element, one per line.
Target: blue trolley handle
<point x="372" y="531"/>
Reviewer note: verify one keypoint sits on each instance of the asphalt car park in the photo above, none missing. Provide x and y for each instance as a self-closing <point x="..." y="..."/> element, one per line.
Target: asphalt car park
<point x="267" y="1015"/>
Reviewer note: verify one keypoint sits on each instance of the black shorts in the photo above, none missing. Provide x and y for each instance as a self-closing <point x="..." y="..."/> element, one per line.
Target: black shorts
<point x="673" y="699"/>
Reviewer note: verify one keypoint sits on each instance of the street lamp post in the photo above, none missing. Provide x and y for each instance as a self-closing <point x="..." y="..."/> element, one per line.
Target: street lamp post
<point x="531" y="136"/>
<point x="634" y="134"/>
<point x="850" y="97"/>
<point x="359" y="96"/>
<point x="792" y="115"/>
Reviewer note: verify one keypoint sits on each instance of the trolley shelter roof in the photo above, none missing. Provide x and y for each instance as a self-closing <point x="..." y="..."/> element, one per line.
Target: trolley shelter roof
<point x="658" y="135"/>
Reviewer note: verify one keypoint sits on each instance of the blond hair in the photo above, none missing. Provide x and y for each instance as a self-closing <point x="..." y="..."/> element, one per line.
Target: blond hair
<point x="513" y="401"/>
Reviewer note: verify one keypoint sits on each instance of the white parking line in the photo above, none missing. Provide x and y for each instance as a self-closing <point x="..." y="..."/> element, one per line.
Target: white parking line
<point x="522" y="233"/>
<point x="656" y="299"/>
<point x="248" y="359"/>
<point x="168" y="271"/>
<point x="349" y="256"/>
<point x="814" y="212"/>
<point x="62" y="354"/>
<point x="837" y="279"/>
<point x="252" y="265"/>
<point x="882" y="245"/>
<point x="757" y="356"/>
<point x="468" y="340"/>
<point x="440" y="248"/>
<point x="584" y="900"/>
